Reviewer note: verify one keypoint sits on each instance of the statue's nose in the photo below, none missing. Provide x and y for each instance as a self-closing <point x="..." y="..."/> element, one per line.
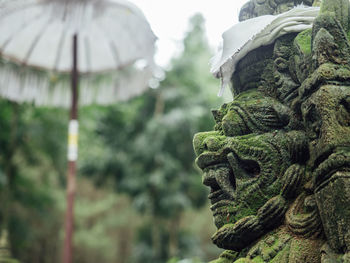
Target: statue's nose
<point x="207" y="141"/>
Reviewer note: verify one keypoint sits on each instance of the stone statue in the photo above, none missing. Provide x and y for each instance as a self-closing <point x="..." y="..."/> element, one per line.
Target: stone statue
<point x="278" y="160"/>
<point x="254" y="8"/>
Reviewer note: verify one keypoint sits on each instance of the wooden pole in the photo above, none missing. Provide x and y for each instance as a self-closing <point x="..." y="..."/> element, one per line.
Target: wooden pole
<point x="72" y="158"/>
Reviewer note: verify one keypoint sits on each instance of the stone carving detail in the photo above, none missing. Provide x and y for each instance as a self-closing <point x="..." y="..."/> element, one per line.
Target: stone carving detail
<point x="278" y="160"/>
<point x="255" y="8"/>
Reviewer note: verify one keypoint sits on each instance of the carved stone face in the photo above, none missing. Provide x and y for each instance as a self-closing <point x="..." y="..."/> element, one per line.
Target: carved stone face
<point x="325" y="110"/>
<point x="280" y="152"/>
<point x="327" y="115"/>
<point x="244" y="159"/>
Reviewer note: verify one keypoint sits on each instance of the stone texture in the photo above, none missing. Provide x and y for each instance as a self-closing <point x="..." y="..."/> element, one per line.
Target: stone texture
<point x="278" y="160"/>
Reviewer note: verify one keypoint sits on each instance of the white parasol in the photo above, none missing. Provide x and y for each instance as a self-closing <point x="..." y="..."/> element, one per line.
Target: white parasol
<point x="46" y="45"/>
<point x="38" y="34"/>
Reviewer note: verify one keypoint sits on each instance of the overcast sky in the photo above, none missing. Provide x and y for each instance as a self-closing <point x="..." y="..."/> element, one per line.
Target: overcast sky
<point x="169" y="21"/>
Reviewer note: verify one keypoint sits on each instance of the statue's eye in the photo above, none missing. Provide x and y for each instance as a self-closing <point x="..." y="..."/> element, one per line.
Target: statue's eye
<point x="251" y="167"/>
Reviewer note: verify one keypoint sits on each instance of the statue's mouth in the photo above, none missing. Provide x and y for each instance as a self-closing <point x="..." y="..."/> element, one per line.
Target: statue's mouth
<point x="231" y="179"/>
<point x="221" y="180"/>
<point x="223" y="171"/>
<point x="219" y="176"/>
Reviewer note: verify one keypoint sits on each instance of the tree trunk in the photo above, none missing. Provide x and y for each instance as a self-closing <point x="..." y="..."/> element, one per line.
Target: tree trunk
<point x="174" y="236"/>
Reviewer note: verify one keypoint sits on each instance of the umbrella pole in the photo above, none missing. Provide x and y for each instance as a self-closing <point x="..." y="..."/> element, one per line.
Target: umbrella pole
<point x="72" y="158"/>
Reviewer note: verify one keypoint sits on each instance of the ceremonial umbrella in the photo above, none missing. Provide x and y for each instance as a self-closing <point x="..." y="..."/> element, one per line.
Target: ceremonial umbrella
<point x="47" y="44"/>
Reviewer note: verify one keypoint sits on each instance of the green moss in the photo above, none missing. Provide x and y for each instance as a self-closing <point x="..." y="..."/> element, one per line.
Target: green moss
<point x="9" y="261"/>
<point x="273" y="249"/>
<point x="258" y="259"/>
<point x="303" y="40"/>
<point x="305" y="250"/>
<point x="317" y="3"/>
<point x="207" y="141"/>
<point x="233" y="124"/>
<point x="243" y="260"/>
<point x="274" y="189"/>
<point x="228" y="120"/>
<point x="340" y="8"/>
<point x="242" y="213"/>
<point x="249" y="95"/>
<point x="239" y="211"/>
<point x="269" y="253"/>
<point x="340" y="259"/>
<point x="257" y="201"/>
<point x="221" y="260"/>
<point x="282" y="256"/>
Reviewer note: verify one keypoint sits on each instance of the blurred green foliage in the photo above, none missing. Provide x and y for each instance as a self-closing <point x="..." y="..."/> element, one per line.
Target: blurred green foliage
<point x="148" y="148"/>
<point x="137" y="184"/>
<point x="31" y="160"/>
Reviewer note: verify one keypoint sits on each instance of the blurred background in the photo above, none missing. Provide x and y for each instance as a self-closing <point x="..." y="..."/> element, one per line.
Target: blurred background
<point x="139" y="196"/>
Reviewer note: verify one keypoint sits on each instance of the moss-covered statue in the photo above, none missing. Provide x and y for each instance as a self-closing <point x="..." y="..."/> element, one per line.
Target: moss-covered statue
<point x="278" y="160"/>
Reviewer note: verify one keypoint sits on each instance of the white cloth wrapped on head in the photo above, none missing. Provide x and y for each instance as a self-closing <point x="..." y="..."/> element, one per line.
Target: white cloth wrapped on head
<point x="250" y="34"/>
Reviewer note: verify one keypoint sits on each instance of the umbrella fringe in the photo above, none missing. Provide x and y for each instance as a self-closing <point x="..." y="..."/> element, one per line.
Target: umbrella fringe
<point x="42" y="88"/>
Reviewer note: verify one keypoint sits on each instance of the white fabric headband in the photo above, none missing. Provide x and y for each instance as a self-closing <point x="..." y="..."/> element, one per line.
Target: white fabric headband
<point x="248" y="35"/>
